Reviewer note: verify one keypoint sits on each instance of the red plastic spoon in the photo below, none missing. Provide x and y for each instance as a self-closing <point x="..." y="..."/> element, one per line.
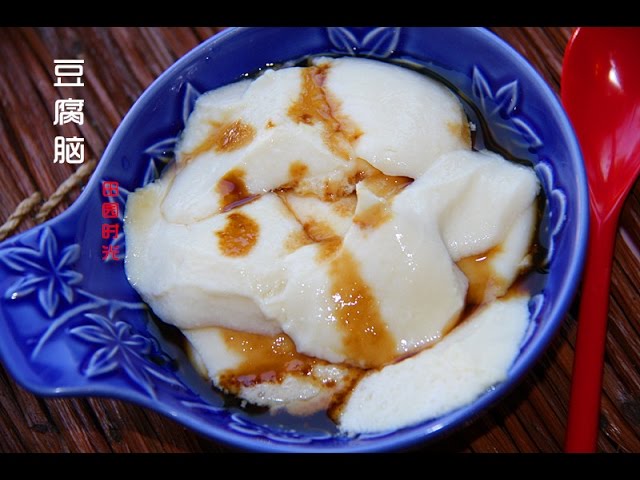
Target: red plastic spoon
<point x="601" y="93"/>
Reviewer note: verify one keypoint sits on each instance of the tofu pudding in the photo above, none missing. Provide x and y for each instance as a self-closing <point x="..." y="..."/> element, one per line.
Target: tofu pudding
<point x="337" y="244"/>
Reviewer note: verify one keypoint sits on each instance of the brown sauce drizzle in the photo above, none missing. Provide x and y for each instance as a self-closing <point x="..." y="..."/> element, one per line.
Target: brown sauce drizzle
<point x="341" y="397"/>
<point x="271" y="359"/>
<point x="233" y="136"/>
<point x="318" y="231"/>
<point x="328" y="248"/>
<point x="239" y="235"/>
<point x="264" y="359"/>
<point x="386" y="187"/>
<point x="314" y="105"/>
<point x="345" y="206"/>
<point x="296" y="240"/>
<point x="484" y="283"/>
<point x="373" y="216"/>
<point x="223" y="138"/>
<point x="313" y="231"/>
<point x="367" y="340"/>
<point x="297" y="172"/>
<point x="462" y="130"/>
<point x="233" y="190"/>
<point x="334" y="190"/>
<point x="321" y="233"/>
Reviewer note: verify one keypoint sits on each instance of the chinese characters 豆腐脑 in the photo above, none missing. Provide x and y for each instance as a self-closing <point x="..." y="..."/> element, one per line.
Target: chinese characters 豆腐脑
<point x="68" y="73"/>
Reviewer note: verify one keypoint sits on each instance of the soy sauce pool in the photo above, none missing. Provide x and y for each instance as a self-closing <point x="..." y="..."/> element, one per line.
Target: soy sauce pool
<point x="533" y="281"/>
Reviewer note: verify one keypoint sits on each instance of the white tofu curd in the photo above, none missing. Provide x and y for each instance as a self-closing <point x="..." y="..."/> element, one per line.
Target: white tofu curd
<point x="322" y="237"/>
<point x="408" y="120"/>
<point x="468" y="361"/>
<point x="218" y="271"/>
<point x="339" y="303"/>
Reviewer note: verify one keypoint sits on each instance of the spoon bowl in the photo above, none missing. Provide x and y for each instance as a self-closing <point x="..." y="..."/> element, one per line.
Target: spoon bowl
<point x="601" y="93"/>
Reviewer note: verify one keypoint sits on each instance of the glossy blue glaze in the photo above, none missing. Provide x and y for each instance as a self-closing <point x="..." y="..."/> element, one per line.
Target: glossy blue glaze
<point x="70" y="323"/>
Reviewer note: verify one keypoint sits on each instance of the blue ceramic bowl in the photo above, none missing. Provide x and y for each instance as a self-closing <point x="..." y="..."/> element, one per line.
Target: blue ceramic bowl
<point x="71" y="325"/>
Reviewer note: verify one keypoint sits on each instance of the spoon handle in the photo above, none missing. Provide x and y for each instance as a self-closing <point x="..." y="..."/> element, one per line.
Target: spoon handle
<point x="584" y="404"/>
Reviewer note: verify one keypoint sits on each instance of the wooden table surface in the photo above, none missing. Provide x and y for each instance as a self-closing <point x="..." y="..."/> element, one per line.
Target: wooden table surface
<point x="120" y="64"/>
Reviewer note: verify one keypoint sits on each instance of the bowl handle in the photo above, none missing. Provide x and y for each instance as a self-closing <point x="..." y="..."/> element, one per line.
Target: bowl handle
<point x="59" y="327"/>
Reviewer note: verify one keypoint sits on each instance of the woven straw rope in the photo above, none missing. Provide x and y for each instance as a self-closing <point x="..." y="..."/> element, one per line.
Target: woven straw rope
<point x="29" y="204"/>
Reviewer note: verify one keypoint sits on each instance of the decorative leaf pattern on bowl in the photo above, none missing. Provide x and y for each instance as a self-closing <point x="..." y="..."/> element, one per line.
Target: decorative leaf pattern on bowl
<point x="501" y="106"/>
<point x="49" y="271"/>
<point x="202" y="406"/>
<point x="119" y="347"/>
<point x="191" y="95"/>
<point x="164" y="149"/>
<point x="44" y="269"/>
<point x="535" y="309"/>
<point x="379" y="42"/>
<point x="238" y="423"/>
<point x="556" y="205"/>
<point x="156" y="165"/>
<point x="115" y="345"/>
